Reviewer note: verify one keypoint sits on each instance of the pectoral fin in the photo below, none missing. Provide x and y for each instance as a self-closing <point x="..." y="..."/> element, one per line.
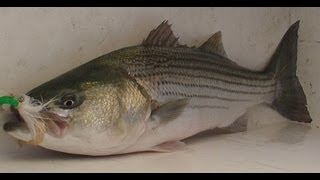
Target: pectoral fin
<point x="169" y="110"/>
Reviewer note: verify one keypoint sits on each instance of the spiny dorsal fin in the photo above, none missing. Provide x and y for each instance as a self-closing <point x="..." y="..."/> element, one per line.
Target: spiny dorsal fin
<point x="161" y="36"/>
<point x="214" y="44"/>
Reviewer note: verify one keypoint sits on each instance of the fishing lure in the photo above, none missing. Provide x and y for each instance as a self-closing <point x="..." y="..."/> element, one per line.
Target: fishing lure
<point x="13" y="102"/>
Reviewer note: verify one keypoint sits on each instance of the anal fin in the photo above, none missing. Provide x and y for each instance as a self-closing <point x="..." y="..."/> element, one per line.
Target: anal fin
<point x="239" y="125"/>
<point x="170" y="146"/>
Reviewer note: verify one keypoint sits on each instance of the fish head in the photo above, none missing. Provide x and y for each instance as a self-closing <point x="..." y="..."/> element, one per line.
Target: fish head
<point x="95" y="109"/>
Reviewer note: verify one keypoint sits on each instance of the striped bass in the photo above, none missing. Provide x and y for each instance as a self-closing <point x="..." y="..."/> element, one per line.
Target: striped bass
<point x="151" y="96"/>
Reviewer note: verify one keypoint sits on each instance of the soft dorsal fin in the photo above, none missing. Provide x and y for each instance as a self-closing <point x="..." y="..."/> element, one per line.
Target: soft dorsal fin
<point x="214" y="44"/>
<point x="161" y="36"/>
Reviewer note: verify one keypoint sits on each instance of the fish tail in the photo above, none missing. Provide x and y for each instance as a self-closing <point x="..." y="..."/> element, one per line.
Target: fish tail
<point x="290" y="100"/>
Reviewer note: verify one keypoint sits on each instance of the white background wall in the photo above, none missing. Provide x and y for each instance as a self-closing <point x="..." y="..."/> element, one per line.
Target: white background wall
<point x="37" y="44"/>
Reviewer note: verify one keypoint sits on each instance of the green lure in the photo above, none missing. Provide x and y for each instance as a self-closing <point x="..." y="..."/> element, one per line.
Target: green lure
<point x="9" y="100"/>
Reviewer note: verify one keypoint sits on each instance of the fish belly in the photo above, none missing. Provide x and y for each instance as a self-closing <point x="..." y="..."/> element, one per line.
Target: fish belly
<point x="193" y="121"/>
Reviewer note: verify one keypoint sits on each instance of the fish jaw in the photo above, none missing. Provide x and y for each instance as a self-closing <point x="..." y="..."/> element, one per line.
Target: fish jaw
<point x="46" y="122"/>
<point x="18" y="130"/>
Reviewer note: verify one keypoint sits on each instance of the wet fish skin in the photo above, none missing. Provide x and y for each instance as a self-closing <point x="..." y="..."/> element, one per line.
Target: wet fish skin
<point x="151" y="96"/>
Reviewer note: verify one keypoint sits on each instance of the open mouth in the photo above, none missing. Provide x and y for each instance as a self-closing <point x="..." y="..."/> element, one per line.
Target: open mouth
<point x="15" y="122"/>
<point x="55" y="125"/>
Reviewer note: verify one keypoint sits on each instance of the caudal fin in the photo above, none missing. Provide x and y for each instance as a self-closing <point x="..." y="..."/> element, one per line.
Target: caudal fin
<point x="290" y="100"/>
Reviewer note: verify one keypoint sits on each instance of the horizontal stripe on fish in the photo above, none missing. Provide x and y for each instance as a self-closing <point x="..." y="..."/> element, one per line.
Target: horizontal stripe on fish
<point x="196" y="56"/>
<point x="226" y="72"/>
<point x="190" y="71"/>
<point x="210" y="77"/>
<point x="197" y="65"/>
<point x="169" y="52"/>
<point x="214" y="87"/>
<point x="175" y="89"/>
<point x="202" y="96"/>
<point x="181" y="73"/>
<point x="144" y="70"/>
<point x="187" y="84"/>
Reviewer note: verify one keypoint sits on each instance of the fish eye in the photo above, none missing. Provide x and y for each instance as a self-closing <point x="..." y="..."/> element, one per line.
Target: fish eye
<point x="70" y="99"/>
<point x="68" y="103"/>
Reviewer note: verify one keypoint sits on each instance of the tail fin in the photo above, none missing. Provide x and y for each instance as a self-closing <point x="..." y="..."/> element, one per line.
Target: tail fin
<point x="290" y="100"/>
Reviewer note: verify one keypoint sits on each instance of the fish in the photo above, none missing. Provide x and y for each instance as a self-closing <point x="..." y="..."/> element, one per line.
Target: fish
<point x="152" y="96"/>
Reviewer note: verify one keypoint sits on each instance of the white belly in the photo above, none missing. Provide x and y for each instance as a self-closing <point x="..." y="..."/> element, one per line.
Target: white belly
<point x="189" y="123"/>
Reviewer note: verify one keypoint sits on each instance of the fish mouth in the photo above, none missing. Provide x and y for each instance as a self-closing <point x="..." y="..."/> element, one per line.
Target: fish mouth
<point x="15" y="122"/>
<point x="55" y="125"/>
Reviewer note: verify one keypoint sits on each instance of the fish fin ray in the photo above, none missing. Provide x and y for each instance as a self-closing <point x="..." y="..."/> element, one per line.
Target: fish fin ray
<point x="290" y="100"/>
<point x="169" y="110"/>
<point x="170" y="146"/>
<point x="214" y="44"/>
<point x="162" y="36"/>
<point x="239" y="125"/>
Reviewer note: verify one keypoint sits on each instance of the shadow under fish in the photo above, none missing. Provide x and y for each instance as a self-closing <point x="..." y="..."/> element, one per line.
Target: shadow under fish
<point x="292" y="133"/>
